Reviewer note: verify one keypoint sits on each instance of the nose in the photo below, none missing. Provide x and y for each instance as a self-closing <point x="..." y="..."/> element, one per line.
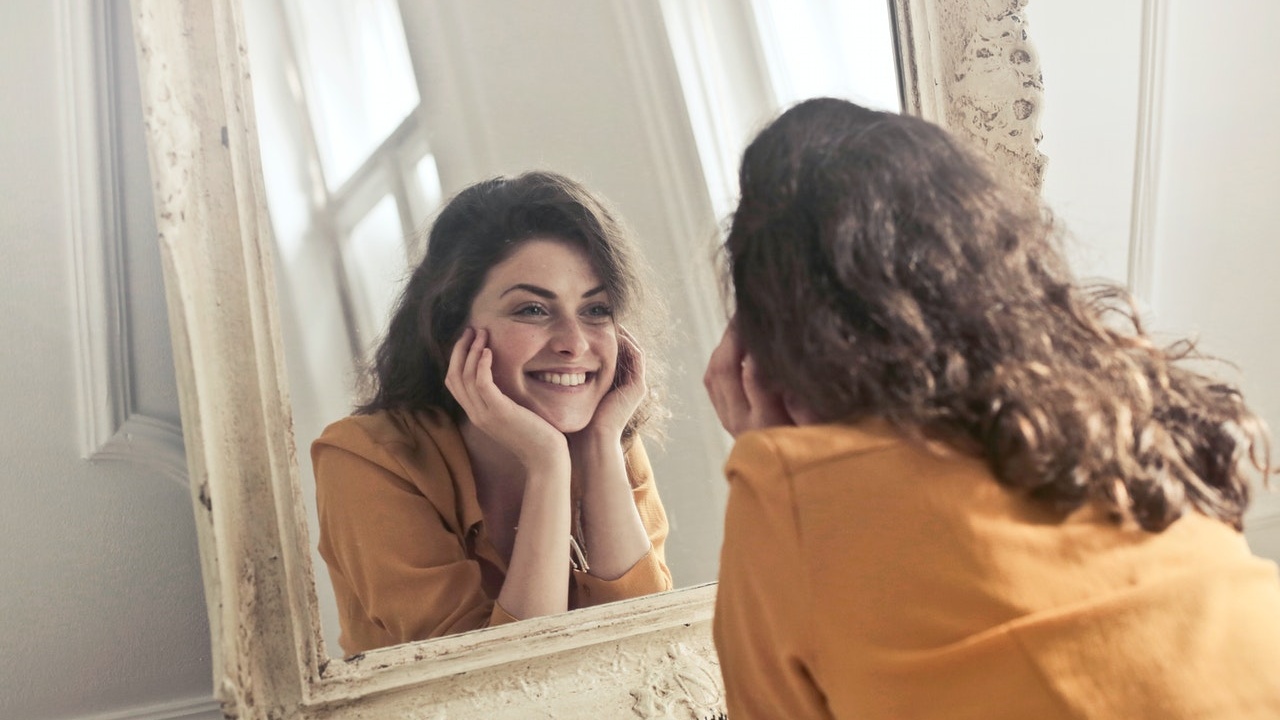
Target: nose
<point x="569" y="338"/>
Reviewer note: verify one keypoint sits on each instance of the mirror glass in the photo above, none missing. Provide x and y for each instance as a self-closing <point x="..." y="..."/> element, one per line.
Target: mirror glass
<point x="372" y="112"/>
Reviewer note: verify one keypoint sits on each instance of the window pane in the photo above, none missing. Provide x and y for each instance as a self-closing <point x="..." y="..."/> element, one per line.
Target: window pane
<point x="427" y="194"/>
<point x="830" y="47"/>
<point x="375" y="262"/>
<point x="429" y="182"/>
<point x="359" y="80"/>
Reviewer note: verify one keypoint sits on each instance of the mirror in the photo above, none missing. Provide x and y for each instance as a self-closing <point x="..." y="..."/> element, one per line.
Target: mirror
<point x="969" y="68"/>
<point x="369" y="114"/>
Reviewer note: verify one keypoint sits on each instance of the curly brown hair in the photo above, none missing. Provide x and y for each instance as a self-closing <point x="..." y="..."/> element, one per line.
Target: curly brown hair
<point x="881" y="269"/>
<point x="477" y="229"/>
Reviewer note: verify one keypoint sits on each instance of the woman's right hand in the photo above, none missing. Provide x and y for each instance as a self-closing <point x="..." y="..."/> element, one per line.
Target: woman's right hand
<point x="530" y="438"/>
<point x="737" y="393"/>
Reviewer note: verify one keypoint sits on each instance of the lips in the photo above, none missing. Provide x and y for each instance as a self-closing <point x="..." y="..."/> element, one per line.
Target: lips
<point x="570" y="379"/>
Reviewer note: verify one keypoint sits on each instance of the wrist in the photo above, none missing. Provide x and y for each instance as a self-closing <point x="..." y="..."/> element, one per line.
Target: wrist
<point x="597" y="434"/>
<point x="547" y="475"/>
<point x="551" y="458"/>
<point x="594" y="440"/>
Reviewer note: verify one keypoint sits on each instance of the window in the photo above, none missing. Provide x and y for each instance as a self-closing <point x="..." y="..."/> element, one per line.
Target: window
<point x="348" y="167"/>
<point x="740" y="63"/>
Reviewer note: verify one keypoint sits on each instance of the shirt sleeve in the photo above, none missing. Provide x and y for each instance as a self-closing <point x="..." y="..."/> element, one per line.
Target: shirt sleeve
<point x="650" y="573"/>
<point x="761" y="628"/>
<point x="399" y="573"/>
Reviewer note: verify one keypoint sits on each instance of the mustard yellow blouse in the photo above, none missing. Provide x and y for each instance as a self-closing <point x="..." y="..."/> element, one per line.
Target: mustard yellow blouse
<point x="405" y="542"/>
<point x="863" y="577"/>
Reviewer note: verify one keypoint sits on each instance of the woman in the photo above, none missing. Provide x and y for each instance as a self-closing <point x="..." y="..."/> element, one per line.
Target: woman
<point x="496" y="473"/>
<point x="961" y="487"/>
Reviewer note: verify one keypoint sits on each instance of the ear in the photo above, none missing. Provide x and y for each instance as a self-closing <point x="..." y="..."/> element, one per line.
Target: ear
<point x="800" y="415"/>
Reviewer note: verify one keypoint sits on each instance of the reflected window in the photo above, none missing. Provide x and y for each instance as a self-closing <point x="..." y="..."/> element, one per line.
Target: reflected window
<point x="834" y="48"/>
<point x="356" y="74"/>
<point x="741" y="63"/>
<point x="346" y="159"/>
<point x="375" y="261"/>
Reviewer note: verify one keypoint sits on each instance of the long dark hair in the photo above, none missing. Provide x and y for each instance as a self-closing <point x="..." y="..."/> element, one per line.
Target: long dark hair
<point x="480" y="227"/>
<point x="880" y="269"/>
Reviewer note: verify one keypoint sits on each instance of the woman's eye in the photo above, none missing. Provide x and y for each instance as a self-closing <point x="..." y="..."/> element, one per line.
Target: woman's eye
<point x="599" y="311"/>
<point x="531" y="311"/>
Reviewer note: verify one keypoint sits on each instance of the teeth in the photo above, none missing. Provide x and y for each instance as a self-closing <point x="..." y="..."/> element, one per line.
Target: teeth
<point x="566" y="379"/>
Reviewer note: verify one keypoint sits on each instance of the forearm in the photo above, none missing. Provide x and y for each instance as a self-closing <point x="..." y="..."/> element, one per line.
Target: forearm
<point x="614" y="533"/>
<point x="537" y="579"/>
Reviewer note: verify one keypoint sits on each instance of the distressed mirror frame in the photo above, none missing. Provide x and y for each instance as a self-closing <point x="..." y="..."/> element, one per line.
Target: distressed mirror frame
<point x="966" y="64"/>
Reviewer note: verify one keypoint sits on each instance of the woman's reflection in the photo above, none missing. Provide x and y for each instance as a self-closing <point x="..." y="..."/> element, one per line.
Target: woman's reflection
<point x="496" y="471"/>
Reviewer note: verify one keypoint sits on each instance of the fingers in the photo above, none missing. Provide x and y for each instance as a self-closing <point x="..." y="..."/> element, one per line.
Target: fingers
<point x="457" y="360"/>
<point x="486" y="390"/>
<point x="630" y="371"/>
<point x="464" y="379"/>
<point x="739" y="394"/>
<point x="473" y="359"/>
<point x="628" y="389"/>
<point x="470" y="380"/>
<point x="724" y="384"/>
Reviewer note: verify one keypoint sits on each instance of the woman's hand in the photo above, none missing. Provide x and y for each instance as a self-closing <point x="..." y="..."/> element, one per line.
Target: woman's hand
<point x="537" y="580"/>
<point x="739" y="397"/>
<point x="615" y="536"/>
<point x="628" y="391"/>
<point x="530" y="438"/>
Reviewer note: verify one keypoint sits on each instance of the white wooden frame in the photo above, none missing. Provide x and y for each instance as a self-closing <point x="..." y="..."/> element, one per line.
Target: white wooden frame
<point x="966" y="64"/>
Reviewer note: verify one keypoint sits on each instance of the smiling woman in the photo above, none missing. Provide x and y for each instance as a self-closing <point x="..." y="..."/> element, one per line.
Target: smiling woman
<point x="499" y="90"/>
<point x="502" y="479"/>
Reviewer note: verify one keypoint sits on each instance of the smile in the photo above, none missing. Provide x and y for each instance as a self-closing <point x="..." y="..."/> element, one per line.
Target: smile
<point x="565" y="379"/>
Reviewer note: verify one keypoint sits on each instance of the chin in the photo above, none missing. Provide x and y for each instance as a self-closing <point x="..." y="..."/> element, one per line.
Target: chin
<point x="568" y="425"/>
<point x="568" y="413"/>
<point x="567" y="420"/>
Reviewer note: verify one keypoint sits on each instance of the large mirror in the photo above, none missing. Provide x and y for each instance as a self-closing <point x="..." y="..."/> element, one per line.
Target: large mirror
<point x="370" y="113"/>
<point x="648" y="103"/>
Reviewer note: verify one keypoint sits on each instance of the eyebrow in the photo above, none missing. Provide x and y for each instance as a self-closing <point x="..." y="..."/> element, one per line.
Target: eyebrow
<point x="547" y="294"/>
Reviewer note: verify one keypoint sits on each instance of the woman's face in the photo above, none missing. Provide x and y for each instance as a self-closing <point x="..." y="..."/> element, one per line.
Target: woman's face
<point x="551" y="330"/>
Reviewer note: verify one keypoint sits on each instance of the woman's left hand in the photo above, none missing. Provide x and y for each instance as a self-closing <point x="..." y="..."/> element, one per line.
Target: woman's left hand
<point x="628" y="391"/>
<point x="739" y="397"/>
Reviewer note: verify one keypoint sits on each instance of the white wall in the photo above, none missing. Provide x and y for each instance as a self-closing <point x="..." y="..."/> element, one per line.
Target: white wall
<point x="1217" y="255"/>
<point x="1089" y="52"/>
<point x="101" y="604"/>
<point x="101" y="608"/>
<point x="1216" y="174"/>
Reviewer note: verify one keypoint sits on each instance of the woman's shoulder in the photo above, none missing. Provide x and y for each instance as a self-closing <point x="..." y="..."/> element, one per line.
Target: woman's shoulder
<point x="388" y="431"/>
<point x="834" y="463"/>
<point x="799" y="448"/>
<point x="423" y="449"/>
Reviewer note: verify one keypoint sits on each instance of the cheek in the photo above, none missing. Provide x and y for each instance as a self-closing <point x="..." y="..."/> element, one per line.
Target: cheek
<point x="512" y="349"/>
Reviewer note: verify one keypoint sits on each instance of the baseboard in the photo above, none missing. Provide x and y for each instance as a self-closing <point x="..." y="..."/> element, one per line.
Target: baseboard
<point x="198" y="708"/>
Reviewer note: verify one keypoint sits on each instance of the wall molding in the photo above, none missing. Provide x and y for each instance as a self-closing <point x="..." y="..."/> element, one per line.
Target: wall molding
<point x="197" y="708"/>
<point x="111" y="427"/>
<point x="1146" y="171"/>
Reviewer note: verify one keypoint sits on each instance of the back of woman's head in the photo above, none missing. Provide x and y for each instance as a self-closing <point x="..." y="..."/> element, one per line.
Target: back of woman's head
<point x="477" y="229"/>
<point x="881" y="269"/>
